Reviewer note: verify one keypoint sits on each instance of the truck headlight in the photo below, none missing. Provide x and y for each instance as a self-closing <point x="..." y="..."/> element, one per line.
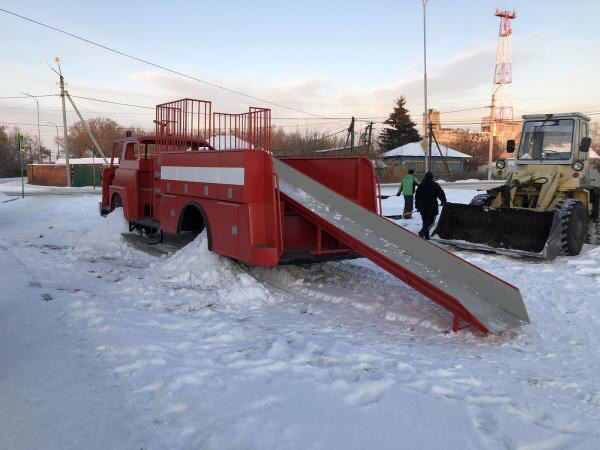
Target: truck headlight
<point x="577" y="166"/>
<point x="500" y="164"/>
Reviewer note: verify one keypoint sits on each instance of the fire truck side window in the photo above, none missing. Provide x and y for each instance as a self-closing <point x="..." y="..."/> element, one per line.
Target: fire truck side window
<point x="131" y="151"/>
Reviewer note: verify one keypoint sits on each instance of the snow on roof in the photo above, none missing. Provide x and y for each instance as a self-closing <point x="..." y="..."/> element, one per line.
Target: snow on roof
<point x="226" y="142"/>
<point x="414" y="149"/>
<point x="78" y="161"/>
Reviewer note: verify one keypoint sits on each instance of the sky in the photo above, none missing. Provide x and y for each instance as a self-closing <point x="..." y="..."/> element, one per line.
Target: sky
<point x="333" y="59"/>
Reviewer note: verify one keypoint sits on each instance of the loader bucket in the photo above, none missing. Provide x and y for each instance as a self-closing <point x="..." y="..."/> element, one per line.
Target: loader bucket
<point x="517" y="232"/>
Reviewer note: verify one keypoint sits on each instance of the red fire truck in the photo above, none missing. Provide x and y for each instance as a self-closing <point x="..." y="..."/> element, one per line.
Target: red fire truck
<point x="215" y="172"/>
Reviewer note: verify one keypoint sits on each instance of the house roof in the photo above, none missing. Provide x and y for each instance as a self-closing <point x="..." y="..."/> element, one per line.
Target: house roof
<point x="414" y="149"/>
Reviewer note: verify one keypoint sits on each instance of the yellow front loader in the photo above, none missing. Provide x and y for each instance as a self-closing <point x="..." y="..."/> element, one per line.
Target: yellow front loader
<point x="550" y="203"/>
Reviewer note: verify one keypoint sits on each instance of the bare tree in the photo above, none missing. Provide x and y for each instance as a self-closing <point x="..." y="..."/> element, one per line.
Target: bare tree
<point x="476" y="146"/>
<point x="304" y="143"/>
<point x="9" y="154"/>
<point x="105" y="130"/>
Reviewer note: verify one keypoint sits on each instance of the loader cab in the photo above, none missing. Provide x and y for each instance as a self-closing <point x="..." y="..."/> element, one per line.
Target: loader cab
<point x="555" y="139"/>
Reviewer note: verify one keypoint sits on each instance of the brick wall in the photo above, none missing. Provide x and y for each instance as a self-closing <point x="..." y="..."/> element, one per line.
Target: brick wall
<point x="47" y="174"/>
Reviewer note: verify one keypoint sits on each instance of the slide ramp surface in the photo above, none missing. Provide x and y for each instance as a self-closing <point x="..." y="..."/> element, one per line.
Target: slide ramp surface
<point x="469" y="293"/>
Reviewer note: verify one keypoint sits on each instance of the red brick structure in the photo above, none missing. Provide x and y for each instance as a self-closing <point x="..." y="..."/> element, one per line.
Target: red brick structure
<point x="47" y="174"/>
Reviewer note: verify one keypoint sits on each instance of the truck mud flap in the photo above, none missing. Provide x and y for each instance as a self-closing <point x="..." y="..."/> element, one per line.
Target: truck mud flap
<point x="516" y="232"/>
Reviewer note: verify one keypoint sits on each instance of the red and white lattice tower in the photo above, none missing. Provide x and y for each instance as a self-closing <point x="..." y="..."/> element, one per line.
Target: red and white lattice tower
<point x="502" y="91"/>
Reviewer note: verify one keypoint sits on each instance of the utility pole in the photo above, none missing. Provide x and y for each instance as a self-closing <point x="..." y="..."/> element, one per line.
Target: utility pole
<point x="65" y="143"/>
<point x="38" y="125"/>
<point x="21" y="148"/>
<point x="94" y="167"/>
<point x="369" y="135"/>
<point x="426" y="118"/>
<point x="64" y="111"/>
<point x="446" y="167"/>
<point x="428" y="158"/>
<point x="351" y="131"/>
<point x="491" y="136"/>
<point x="87" y="128"/>
<point x="350" y="136"/>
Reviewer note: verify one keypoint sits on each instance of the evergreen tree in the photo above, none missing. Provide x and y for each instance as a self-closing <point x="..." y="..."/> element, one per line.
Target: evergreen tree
<point x="401" y="130"/>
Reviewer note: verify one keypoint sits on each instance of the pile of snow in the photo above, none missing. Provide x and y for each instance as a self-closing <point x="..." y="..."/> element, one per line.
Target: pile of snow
<point x="196" y="268"/>
<point x="193" y="281"/>
<point x="469" y="180"/>
<point x="191" y="278"/>
<point x="107" y="234"/>
<point x="104" y="242"/>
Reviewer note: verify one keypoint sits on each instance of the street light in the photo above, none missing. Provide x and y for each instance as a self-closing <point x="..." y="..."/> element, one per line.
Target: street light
<point x="38" y="123"/>
<point x="426" y="116"/>
<point x="57" y="144"/>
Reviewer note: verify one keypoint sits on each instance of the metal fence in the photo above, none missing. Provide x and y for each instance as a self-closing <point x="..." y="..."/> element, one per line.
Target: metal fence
<point x="189" y="124"/>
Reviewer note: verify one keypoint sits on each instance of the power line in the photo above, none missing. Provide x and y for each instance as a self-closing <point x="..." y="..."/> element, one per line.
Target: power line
<point x="26" y="124"/>
<point x="112" y="102"/>
<point x="462" y="110"/>
<point x="95" y="99"/>
<point x="158" y="66"/>
<point x="363" y="119"/>
<point x="29" y="96"/>
<point x="52" y="126"/>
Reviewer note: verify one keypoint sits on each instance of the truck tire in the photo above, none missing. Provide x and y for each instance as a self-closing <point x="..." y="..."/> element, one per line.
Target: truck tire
<point x="482" y="200"/>
<point x="573" y="219"/>
<point x="593" y="234"/>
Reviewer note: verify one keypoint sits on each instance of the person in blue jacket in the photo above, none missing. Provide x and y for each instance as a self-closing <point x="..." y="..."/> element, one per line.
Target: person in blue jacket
<point x="408" y="187"/>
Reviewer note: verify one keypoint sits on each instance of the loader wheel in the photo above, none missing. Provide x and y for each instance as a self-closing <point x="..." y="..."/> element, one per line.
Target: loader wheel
<point x="482" y="200"/>
<point x="573" y="219"/>
<point x="593" y="235"/>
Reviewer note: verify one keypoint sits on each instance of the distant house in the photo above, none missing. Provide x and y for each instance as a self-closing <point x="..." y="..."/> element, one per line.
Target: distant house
<point x="412" y="156"/>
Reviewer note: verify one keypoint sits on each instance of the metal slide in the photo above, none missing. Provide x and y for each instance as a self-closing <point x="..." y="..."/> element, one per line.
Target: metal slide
<point x="469" y="293"/>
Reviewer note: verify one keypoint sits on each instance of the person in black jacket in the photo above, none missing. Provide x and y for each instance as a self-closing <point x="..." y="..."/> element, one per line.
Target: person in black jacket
<point x="426" y="197"/>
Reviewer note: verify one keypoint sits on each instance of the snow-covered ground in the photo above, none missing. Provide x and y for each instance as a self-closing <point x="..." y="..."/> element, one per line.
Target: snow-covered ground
<point x="12" y="187"/>
<point x="103" y="346"/>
